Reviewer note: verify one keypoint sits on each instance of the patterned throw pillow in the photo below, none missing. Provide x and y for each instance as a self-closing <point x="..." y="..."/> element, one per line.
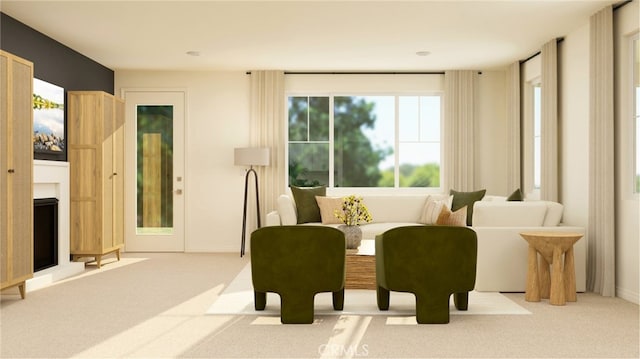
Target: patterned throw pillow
<point x="328" y="205"/>
<point x="432" y="209"/>
<point x="457" y="218"/>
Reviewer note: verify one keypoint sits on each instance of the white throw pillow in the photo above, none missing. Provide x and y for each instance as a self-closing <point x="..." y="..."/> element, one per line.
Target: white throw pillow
<point x="432" y="209"/>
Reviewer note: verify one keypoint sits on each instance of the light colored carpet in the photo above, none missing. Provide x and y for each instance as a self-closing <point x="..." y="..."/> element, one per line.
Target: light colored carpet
<point x="153" y="305"/>
<point x="237" y="298"/>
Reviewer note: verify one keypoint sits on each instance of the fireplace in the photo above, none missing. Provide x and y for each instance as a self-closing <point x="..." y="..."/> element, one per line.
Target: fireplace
<point x="45" y="233"/>
<point x="51" y="181"/>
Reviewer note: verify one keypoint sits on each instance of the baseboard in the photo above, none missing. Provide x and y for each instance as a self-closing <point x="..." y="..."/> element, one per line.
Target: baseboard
<point x="49" y="276"/>
<point x="631" y="296"/>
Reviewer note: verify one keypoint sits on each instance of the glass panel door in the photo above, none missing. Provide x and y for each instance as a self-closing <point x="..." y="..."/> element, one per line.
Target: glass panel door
<point x="155" y="122"/>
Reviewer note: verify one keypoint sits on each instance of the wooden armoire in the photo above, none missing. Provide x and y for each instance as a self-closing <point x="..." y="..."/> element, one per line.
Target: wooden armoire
<point x="16" y="171"/>
<point x="95" y="133"/>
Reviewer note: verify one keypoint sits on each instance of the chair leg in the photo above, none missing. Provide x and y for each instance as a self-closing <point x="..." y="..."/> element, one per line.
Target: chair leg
<point x="432" y="308"/>
<point x="383" y="298"/>
<point x="338" y="299"/>
<point x="461" y="300"/>
<point x="296" y="308"/>
<point x="259" y="300"/>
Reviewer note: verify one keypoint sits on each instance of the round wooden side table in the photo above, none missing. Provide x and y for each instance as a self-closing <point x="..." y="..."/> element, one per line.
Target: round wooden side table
<point x="559" y="286"/>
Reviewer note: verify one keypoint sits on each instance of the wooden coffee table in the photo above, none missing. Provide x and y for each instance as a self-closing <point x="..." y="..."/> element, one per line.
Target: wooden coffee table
<point x="361" y="266"/>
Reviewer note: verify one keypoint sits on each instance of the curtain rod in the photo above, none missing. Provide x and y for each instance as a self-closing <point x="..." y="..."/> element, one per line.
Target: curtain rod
<point x="614" y="7"/>
<point x="558" y="40"/>
<point x="359" y="73"/>
<point x="620" y="4"/>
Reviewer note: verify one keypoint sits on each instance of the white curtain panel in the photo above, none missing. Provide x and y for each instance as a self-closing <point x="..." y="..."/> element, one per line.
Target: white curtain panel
<point x="513" y="127"/>
<point x="458" y="127"/>
<point x="549" y="125"/>
<point x="601" y="231"/>
<point x="267" y="130"/>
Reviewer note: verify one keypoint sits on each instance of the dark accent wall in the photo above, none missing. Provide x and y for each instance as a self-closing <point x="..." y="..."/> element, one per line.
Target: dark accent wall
<point x="53" y="61"/>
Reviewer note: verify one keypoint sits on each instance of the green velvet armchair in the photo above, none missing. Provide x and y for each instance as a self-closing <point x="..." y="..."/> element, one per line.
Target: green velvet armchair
<point x="297" y="262"/>
<point x="432" y="262"/>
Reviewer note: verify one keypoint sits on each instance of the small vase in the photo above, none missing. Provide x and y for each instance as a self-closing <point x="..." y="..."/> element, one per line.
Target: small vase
<point x="353" y="235"/>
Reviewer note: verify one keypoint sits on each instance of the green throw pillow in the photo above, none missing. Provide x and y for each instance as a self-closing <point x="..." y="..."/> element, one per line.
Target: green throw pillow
<point x="306" y="204"/>
<point x="461" y="199"/>
<point x="516" y="196"/>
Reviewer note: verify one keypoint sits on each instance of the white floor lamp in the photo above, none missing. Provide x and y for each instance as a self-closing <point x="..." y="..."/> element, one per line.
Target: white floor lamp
<point x="250" y="156"/>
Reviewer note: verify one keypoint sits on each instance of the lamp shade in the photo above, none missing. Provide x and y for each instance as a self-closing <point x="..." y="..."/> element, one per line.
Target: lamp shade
<point x="251" y="156"/>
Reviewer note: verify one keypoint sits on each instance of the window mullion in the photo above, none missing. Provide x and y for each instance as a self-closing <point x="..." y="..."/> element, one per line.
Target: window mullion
<point x="331" y="143"/>
<point x="308" y="118"/>
<point x="396" y="143"/>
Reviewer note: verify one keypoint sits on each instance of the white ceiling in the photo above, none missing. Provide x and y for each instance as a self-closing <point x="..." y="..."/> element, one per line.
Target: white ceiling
<point x="304" y="35"/>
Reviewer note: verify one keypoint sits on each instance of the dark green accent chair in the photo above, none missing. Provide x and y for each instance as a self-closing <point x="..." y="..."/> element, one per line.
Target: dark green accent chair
<point x="297" y="262"/>
<point x="432" y="262"/>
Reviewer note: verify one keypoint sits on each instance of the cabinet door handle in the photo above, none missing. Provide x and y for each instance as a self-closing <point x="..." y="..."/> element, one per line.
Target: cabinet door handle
<point x="11" y="170"/>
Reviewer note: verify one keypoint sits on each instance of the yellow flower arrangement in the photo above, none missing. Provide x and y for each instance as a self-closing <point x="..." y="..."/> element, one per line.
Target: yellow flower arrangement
<point x="353" y="211"/>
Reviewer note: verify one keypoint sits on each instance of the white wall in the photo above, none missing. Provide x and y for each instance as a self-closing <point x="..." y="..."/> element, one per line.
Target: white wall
<point x="217" y="121"/>
<point x="491" y="133"/>
<point x="627" y="203"/>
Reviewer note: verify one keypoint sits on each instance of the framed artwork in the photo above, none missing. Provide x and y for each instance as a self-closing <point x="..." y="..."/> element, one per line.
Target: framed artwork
<point x="48" y="122"/>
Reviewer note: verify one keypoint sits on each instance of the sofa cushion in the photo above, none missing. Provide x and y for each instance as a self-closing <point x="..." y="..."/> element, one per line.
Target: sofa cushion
<point x="328" y="206"/>
<point x="461" y="199"/>
<point x="494" y="198"/>
<point x="398" y="209"/>
<point x="554" y="214"/>
<point x="509" y="214"/>
<point x="307" y="209"/>
<point x="286" y="210"/>
<point x="457" y="218"/>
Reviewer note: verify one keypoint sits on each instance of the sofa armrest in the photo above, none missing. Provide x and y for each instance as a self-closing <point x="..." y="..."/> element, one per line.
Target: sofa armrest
<point x="503" y="253"/>
<point x="273" y="219"/>
<point x="287" y="210"/>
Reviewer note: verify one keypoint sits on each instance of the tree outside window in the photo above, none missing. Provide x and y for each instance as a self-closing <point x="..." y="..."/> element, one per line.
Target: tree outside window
<point x="364" y="141"/>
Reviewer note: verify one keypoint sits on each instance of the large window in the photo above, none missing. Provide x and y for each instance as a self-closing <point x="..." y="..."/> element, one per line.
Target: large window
<point x="365" y="141"/>
<point x="537" y="135"/>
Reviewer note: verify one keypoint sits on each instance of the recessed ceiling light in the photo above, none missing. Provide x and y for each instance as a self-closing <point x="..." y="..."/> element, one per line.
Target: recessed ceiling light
<point x="193" y="53"/>
<point x="423" y="53"/>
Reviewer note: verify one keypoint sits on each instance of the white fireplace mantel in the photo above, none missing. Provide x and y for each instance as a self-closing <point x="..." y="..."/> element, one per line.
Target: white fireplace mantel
<point x="51" y="180"/>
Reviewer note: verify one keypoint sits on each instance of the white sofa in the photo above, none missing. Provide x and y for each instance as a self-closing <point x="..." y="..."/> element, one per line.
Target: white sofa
<point x="502" y="252"/>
